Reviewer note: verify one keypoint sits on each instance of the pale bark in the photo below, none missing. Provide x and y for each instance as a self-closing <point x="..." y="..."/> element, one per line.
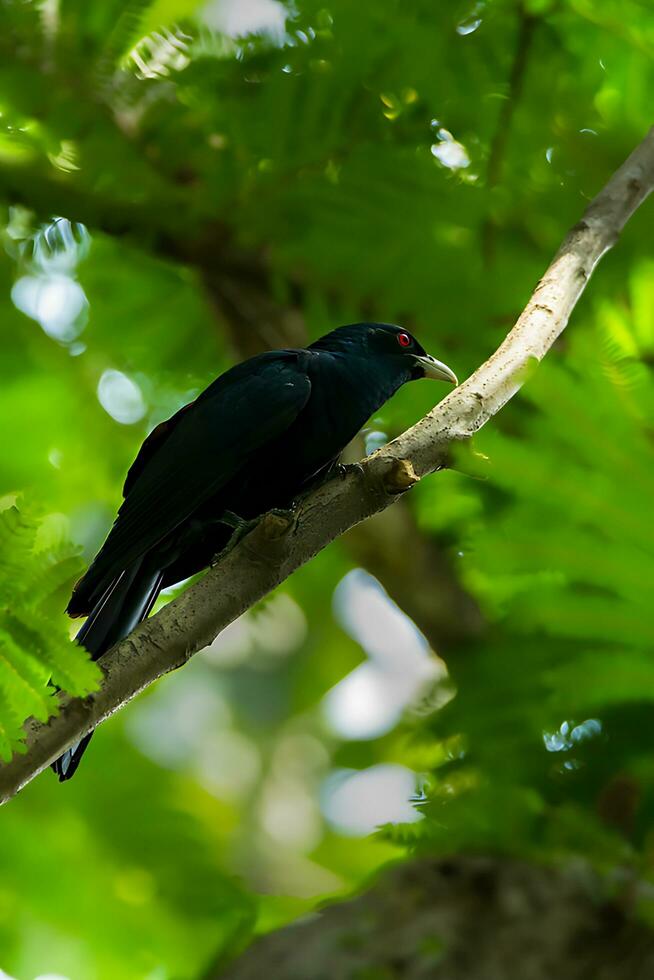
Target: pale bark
<point x="271" y="552"/>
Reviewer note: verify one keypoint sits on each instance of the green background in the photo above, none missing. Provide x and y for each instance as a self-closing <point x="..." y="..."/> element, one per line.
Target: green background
<point x="409" y="162"/>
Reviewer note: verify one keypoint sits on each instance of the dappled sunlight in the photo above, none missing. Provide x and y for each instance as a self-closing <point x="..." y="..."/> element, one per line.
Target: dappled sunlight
<point x="227" y="762"/>
<point x="472" y="21"/>
<point x="48" y="291"/>
<point x="121" y="397"/>
<point x="374" y="440"/>
<point x="289" y="814"/>
<point x="238" y="19"/>
<point x="357" y="802"/>
<point x="371" y="699"/>
<point x="570" y="735"/>
<point x="56" y="302"/>
<point x="365" y="704"/>
<point x="288" y="809"/>
<point x="172" y="724"/>
<point x="187" y="724"/>
<point x="365" y="611"/>
<point x="448" y="151"/>
<point x="274" y="629"/>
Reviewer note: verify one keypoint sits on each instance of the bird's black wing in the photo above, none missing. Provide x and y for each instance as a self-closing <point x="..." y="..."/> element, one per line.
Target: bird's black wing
<point x="151" y="444"/>
<point x="185" y="465"/>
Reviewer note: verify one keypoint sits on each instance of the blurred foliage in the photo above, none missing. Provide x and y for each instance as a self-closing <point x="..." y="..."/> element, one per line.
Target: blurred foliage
<point x="553" y="712"/>
<point x="172" y="194"/>
<point x="36" y="573"/>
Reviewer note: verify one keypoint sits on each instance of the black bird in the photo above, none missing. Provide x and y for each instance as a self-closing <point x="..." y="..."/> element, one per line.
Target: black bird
<point x="252" y="441"/>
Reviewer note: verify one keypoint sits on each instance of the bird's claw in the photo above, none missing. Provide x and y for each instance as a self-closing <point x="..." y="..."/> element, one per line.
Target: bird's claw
<point x="232" y="520"/>
<point x="240" y="527"/>
<point x="343" y="469"/>
<point x="243" y="527"/>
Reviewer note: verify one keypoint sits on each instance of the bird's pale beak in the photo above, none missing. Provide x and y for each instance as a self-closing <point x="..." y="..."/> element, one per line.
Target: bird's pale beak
<point x="436" y="369"/>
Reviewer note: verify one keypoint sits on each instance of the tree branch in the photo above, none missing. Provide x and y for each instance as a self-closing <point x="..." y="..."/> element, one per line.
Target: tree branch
<point x="277" y="546"/>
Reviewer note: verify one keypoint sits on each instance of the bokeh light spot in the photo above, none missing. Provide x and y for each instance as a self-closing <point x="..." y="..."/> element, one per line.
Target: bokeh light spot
<point x="356" y="802"/>
<point x="121" y="397"/>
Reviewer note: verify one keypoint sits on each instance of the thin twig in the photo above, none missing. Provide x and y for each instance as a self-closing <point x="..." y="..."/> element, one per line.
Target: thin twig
<point x="496" y="157"/>
<point x="524" y="37"/>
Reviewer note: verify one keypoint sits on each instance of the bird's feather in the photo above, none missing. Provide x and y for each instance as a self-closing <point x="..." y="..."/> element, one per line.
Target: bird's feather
<point x="201" y="450"/>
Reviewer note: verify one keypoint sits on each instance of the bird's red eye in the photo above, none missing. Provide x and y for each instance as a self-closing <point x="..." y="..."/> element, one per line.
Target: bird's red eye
<point x="404" y="340"/>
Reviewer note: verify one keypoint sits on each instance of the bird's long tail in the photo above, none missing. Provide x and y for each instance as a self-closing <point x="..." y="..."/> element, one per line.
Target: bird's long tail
<point x="127" y="601"/>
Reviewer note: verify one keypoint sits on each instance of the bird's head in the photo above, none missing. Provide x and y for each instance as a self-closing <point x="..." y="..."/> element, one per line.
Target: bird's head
<point x="390" y="345"/>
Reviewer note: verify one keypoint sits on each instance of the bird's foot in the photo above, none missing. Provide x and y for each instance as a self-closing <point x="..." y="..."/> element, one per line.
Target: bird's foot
<point x="243" y="527"/>
<point x="240" y="527"/>
<point x="343" y="469"/>
<point x="232" y="520"/>
<point x="338" y="471"/>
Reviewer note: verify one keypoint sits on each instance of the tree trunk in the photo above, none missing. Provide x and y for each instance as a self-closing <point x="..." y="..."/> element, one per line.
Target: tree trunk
<point x="466" y="918"/>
